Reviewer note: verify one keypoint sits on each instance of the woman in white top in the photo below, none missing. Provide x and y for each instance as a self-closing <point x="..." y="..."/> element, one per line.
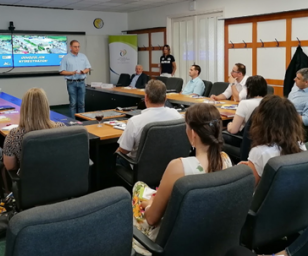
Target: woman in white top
<point x="256" y="90"/>
<point x="203" y="128"/>
<point x="276" y="129"/>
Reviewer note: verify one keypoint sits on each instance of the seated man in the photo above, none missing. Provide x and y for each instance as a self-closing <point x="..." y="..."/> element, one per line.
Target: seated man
<point x="155" y="97"/>
<point x="139" y="79"/>
<point x="237" y="87"/>
<point x="195" y="86"/>
<point x="299" y="94"/>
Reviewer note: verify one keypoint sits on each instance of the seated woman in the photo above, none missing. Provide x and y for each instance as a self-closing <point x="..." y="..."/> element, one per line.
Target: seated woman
<point x="203" y="128"/>
<point x="276" y="129"/>
<point x="256" y="90"/>
<point x="34" y="115"/>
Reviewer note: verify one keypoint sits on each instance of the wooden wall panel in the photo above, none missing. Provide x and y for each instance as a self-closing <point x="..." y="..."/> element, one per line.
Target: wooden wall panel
<point x="289" y="44"/>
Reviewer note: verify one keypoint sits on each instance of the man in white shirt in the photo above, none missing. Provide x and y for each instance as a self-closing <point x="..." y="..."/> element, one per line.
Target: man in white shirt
<point x="155" y="97"/>
<point x="237" y="87"/>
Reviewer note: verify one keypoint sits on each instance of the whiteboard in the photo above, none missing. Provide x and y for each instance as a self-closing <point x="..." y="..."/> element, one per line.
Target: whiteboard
<point x="156" y="57"/>
<point x="157" y="39"/>
<point x="243" y="56"/>
<point x="143" y="40"/>
<point x="267" y="31"/>
<point x="240" y="32"/>
<point x="299" y="28"/>
<point x="143" y="60"/>
<point x="271" y="62"/>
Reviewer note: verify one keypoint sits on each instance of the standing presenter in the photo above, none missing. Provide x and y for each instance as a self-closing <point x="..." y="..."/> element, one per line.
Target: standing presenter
<point x="74" y="66"/>
<point x="167" y="63"/>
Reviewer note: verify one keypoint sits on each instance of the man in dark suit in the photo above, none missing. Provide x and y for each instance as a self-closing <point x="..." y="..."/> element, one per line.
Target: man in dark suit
<point x="138" y="80"/>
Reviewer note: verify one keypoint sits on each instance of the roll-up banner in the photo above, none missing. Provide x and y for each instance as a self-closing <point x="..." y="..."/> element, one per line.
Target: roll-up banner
<point x="123" y="51"/>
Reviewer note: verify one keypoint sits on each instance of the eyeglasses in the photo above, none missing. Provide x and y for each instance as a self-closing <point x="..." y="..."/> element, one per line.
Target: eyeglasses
<point x="235" y="71"/>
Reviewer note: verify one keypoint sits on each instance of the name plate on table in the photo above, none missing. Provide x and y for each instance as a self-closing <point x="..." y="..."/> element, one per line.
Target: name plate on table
<point x="101" y="85"/>
<point x="106" y="114"/>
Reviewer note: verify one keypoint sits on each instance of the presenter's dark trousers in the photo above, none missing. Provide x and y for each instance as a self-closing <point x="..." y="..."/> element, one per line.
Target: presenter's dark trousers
<point x="76" y="92"/>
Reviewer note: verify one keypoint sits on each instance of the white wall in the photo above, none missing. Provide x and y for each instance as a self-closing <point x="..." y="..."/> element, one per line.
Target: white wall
<point x="157" y="17"/>
<point x="94" y="45"/>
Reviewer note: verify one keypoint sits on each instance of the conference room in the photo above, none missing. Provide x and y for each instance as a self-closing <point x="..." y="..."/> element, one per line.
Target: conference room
<point x="77" y="165"/>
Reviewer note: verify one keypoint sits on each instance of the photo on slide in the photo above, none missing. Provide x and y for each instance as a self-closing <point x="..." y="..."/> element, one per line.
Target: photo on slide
<point x="38" y="50"/>
<point x="6" y="60"/>
<point x="32" y="50"/>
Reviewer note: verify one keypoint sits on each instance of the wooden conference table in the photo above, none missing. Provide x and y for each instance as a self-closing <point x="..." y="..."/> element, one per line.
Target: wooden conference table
<point x="103" y="140"/>
<point x="103" y="98"/>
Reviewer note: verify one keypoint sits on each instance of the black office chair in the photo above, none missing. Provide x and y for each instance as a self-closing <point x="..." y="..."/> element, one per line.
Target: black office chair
<point x="160" y="143"/>
<point x="124" y="80"/>
<point x="54" y="166"/>
<point x="174" y="83"/>
<point x="279" y="208"/>
<point x="241" y="144"/>
<point x="218" y="88"/>
<point x="148" y="78"/>
<point x="95" y="224"/>
<point x="162" y="78"/>
<point x="270" y="89"/>
<point x="208" y="86"/>
<point x="204" y="215"/>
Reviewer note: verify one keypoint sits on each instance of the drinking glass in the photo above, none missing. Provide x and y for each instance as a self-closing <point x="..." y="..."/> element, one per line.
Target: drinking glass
<point x="99" y="118"/>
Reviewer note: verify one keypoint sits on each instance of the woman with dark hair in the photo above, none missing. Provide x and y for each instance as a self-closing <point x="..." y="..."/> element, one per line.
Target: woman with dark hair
<point x="203" y="128"/>
<point x="276" y="129"/>
<point x="256" y="90"/>
<point x="167" y="63"/>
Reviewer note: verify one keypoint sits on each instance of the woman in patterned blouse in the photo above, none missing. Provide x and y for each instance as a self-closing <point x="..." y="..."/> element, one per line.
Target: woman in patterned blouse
<point x="34" y="115"/>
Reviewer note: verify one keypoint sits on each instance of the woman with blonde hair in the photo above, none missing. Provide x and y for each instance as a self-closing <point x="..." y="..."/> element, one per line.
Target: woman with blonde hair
<point x="34" y="115"/>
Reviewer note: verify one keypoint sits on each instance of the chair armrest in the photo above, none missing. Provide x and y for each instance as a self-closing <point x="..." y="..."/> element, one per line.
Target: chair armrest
<point x="127" y="158"/>
<point x="147" y="242"/>
<point x="13" y="175"/>
<point x="233" y="135"/>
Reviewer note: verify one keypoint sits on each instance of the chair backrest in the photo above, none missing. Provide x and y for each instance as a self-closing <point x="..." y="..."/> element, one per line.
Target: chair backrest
<point x="208" y="86"/>
<point x="206" y="212"/>
<point x="279" y="207"/>
<point x="174" y="83"/>
<point x="54" y="165"/>
<point x="270" y="89"/>
<point x="246" y="142"/>
<point x="162" y="78"/>
<point x="160" y="142"/>
<point x="148" y="78"/>
<point x="95" y="224"/>
<point x="218" y="88"/>
<point x="124" y="80"/>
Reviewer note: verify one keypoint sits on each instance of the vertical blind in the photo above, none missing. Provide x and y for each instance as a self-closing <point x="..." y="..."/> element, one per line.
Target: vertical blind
<point x="199" y="40"/>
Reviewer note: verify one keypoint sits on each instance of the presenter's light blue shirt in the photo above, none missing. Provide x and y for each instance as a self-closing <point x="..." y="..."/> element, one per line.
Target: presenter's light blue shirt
<point x="133" y="83"/>
<point x="71" y="62"/>
<point x="194" y="86"/>
<point x="299" y="97"/>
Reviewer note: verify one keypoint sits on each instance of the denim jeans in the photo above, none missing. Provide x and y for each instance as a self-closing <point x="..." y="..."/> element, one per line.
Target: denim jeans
<point x="76" y="92"/>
